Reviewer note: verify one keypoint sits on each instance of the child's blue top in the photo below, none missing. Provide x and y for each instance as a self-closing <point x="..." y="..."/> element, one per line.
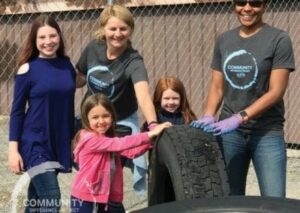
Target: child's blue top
<point x="175" y="118"/>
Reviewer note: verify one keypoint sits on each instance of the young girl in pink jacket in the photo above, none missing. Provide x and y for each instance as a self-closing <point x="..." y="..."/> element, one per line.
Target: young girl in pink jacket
<point x="98" y="185"/>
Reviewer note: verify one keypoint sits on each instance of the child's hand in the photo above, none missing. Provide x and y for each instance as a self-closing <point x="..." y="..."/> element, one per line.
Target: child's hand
<point x="158" y="129"/>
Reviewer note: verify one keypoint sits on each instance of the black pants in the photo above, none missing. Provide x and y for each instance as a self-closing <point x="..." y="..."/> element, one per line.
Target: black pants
<point x="80" y="206"/>
<point x="122" y="131"/>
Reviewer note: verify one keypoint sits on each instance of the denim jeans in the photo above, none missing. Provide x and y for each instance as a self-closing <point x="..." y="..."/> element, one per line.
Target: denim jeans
<point x="138" y="165"/>
<point x="268" y="154"/>
<point x="43" y="193"/>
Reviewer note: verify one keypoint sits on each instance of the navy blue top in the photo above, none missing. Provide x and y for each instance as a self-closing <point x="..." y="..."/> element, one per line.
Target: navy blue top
<point x="175" y="118"/>
<point x="42" y="115"/>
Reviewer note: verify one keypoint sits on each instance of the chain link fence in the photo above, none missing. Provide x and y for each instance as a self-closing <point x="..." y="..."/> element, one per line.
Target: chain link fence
<point x="175" y="37"/>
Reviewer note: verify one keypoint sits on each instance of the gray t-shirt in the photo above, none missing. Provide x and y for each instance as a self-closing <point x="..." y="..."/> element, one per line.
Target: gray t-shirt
<point x="114" y="78"/>
<point x="247" y="64"/>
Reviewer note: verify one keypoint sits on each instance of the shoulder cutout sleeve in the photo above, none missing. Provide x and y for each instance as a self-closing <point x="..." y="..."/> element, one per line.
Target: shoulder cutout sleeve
<point x="23" y="69"/>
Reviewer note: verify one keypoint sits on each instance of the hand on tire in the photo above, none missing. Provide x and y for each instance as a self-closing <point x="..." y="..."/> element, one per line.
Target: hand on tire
<point x="152" y="126"/>
<point x="158" y="129"/>
<point x="203" y="122"/>
<point x="224" y="126"/>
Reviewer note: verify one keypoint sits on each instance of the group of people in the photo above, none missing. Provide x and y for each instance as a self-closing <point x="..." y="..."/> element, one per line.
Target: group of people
<point x="250" y="71"/>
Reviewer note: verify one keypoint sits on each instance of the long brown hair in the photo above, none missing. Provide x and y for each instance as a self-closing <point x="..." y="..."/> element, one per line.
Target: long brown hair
<point x="89" y="103"/>
<point x="173" y="83"/>
<point x="29" y="49"/>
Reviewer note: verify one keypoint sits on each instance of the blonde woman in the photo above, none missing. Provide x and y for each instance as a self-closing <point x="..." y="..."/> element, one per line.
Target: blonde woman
<point x="109" y="65"/>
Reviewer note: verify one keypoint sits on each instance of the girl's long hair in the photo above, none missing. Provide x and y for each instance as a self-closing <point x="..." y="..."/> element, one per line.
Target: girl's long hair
<point x="29" y="49"/>
<point x="89" y="103"/>
<point x="176" y="85"/>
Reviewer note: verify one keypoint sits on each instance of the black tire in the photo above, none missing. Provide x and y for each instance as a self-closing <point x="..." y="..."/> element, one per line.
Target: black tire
<point x="186" y="163"/>
<point x="228" y="205"/>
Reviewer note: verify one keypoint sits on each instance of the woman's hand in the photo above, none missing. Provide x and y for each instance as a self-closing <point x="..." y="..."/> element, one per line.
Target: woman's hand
<point x="203" y="122"/>
<point x="158" y="129"/>
<point x="224" y="126"/>
<point x="15" y="161"/>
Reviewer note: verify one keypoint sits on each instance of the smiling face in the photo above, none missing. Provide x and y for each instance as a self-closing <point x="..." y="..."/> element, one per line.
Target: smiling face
<point x="100" y="120"/>
<point x="170" y="100"/>
<point x="249" y="16"/>
<point x="117" y="33"/>
<point x="47" y="41"/>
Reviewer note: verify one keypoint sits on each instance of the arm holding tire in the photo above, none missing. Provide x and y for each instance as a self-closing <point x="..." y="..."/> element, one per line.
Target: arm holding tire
<point x="224" y="126"/>
<point x="278" y="83"/>
<point x="144" y="100"/>
<point x="158" y="129"/>
<point x="215" y="93"/>
<point x="204" y="121"/>
<point x="213" y="101"/>
<point x="277" y="86"/>
<point x="139" y="150"/>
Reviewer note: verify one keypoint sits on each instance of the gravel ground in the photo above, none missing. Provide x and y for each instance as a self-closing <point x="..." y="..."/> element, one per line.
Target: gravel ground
<point x="132" y="201"/>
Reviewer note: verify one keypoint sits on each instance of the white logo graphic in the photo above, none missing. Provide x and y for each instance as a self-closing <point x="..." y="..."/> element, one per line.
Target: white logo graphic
<point x="240" y="76"/>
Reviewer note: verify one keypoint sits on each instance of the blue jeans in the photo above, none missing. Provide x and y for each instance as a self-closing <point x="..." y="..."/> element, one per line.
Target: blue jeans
<point x="268" y="154"/>
<point x="43" y="193"/>
<point x="138" y="165"/>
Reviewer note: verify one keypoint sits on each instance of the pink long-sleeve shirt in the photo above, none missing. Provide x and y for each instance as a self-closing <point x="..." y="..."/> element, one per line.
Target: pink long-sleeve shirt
<point x="93" y="153"/>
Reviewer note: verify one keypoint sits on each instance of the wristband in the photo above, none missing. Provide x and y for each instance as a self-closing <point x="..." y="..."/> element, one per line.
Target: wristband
<point x="244" y="116"/>
<point x="152" y="122"/>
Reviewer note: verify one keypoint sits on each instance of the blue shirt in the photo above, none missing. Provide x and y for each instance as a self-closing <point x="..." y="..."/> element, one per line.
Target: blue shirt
<point x="42" y="115"/>
<point x="175" y="118"/>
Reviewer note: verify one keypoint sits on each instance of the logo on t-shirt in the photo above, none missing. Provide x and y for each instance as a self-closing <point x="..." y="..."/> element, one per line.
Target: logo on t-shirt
<point x="240" y="69"/>
<point x="100" y="79"/>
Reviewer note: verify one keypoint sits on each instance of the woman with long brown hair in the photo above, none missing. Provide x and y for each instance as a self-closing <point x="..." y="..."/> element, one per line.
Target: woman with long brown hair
<point x="42" y="114"/>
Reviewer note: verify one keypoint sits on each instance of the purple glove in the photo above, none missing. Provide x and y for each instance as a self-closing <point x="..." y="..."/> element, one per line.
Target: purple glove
<point x="224" y="126"/>
<point x="203" y="122"/>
